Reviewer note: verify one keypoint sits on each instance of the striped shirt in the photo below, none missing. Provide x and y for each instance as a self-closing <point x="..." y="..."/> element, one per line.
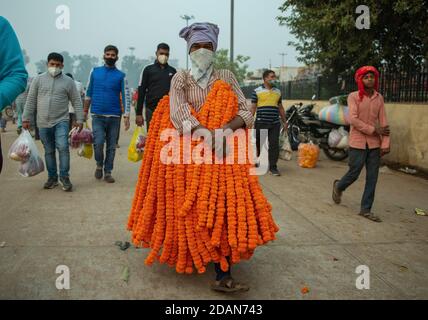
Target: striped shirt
<point x="185" y="92"/>
<point x="267" y="102"/>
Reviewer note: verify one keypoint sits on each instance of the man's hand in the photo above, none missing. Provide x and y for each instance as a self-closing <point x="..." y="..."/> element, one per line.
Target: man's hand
<point x="382" y="131"/>
<point x="284" y="124"/>
<point x="79" y="126"/>
<point x="127" y="122"/>
<point x="219" y="146"/>
<point x="139" y="121"/>
<point x="384" y="152"/>
<point x="26" y="125"/>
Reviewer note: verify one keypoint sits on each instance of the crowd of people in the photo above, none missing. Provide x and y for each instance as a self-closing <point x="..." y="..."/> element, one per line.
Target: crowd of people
<point x="53" y="103"/>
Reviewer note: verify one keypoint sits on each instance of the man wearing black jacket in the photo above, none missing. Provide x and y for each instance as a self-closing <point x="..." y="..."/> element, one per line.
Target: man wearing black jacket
<point x="155" y="83"/>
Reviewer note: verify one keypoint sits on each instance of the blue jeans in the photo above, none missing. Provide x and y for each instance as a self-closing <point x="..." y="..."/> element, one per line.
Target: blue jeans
<point x="358" y="158"/>
<point x="105" y="130"/>
<point x="52" y="139"/>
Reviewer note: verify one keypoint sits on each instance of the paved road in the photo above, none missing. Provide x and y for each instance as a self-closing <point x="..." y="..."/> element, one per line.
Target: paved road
<point x="319" y="245"/>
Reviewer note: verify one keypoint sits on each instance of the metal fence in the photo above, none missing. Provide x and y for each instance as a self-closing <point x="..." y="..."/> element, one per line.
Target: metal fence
<point x="407" y="86"/>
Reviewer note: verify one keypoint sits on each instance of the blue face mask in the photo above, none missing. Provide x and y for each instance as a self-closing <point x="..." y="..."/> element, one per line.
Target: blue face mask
<point x="274" y="83"/>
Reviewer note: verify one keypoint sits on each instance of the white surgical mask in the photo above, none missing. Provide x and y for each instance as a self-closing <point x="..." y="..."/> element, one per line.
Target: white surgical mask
<point x="163" y="59"/>
<point x="54" y="71"/>
<point x="202" y="66"/>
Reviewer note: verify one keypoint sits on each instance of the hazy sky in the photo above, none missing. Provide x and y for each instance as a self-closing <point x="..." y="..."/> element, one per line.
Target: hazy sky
<point x="144" y="23"/>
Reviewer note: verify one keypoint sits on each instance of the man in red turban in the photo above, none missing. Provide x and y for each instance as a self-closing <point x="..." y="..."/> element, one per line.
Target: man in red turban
<point x="369" y="138"/>
<point x="359" y="75"/>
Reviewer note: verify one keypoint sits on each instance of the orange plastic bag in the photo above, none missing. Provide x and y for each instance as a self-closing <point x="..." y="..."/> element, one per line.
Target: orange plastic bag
<point x="308" y="155"/>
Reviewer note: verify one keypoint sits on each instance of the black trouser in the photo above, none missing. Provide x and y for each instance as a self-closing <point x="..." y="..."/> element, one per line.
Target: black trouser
<point x="220" y="274"/>
<point x="149" y="115"/>
<point x="357" y="159"/>
<point x="273" y="139"/>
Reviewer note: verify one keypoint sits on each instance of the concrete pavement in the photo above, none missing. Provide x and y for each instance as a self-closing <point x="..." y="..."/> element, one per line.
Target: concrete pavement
<point x="320" y="244"/>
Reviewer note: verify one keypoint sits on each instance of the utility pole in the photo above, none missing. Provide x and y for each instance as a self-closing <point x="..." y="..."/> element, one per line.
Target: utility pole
<point x="232" y="27"/>
<point x="187" y="18"/>
<point x="283" y="54"/>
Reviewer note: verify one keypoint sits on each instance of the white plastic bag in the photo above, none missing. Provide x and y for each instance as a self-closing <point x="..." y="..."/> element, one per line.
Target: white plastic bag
<point x="285" y="151"/>
<point x="339" y="138"/>
<point x="344" y="141"/>
<point x="24" y="149"/>
<point x="20" y="149"/>
<point x="334" y="138"/>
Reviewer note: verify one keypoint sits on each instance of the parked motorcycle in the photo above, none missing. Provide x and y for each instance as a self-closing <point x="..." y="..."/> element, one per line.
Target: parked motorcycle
<point x="304" y="126"/>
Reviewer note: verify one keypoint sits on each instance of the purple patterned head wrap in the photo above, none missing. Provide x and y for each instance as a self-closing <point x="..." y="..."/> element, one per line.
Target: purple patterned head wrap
<point x="200" y="32"/>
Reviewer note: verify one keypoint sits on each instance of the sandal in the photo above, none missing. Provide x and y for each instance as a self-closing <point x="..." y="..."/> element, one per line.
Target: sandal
<point x="229" y="285"/>
<point x="370" y="216"/>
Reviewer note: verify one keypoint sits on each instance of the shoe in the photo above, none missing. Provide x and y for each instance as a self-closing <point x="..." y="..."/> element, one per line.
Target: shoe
<point x="19" y="131"/>
<point x="3" y="130"/>
<point x="51" y="183"/>
<point x="66" y="184"/>
<point x="337" y="194"/>
<point x="99" y="174"/>
<point x="275" y="172"/>
<point x="117" y="146"/>
<point x="108" y="178"/>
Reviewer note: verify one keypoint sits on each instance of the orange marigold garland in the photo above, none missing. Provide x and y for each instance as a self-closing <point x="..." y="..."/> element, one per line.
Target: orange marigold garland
<point x="192" y="214"/>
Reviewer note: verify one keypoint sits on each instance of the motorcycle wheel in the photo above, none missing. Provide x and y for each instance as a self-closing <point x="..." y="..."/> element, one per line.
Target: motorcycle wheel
<point x="293" y="138"/>
<point x="336" y="154"/>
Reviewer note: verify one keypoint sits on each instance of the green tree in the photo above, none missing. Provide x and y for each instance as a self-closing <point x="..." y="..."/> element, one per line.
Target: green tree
<point x="238" y="66"/>
<point x="133" y="67"/>
<point x="326" y="33"/>
<point x="83" y="65"/>
<point x="69" y="61"/>
<point x="41" y="66"/>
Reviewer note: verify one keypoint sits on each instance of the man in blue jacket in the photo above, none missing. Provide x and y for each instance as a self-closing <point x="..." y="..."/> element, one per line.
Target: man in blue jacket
<point x="13" y="76"/>
<point x="106" y="89"/>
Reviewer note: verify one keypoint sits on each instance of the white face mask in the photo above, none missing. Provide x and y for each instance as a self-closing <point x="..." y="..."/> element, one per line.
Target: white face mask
<point x="163" y="59"/>
<point x="54" y="71"/>
<point x="202" y="66"/>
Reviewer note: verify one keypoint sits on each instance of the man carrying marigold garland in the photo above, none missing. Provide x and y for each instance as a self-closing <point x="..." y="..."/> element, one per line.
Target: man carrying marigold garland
<point x="202" y="40"/>
<point x="188" y="213"/>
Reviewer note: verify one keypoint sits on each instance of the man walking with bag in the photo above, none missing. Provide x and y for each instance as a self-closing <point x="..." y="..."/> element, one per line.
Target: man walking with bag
<point x="49" y="96"/>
